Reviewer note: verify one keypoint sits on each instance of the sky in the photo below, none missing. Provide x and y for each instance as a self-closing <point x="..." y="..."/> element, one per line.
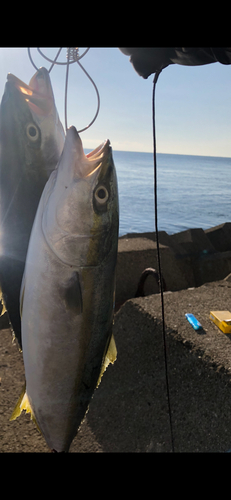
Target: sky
<point x="193" y="104"/>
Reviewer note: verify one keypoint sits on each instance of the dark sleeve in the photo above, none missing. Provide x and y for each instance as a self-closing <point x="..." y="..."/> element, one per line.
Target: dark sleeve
<point x="148" y="60"/>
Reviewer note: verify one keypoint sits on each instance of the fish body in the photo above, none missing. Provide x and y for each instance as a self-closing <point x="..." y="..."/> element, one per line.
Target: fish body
<point x="31" y="142"/>
<point x="67" y="295"/>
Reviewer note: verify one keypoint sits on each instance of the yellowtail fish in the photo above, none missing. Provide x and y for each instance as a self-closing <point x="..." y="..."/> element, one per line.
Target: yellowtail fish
<point x="67" y="294"/>
<point x="31" y="142"/>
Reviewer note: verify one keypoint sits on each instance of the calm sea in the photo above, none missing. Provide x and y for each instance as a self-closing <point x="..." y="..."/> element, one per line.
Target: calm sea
<point x="193" y="191"/>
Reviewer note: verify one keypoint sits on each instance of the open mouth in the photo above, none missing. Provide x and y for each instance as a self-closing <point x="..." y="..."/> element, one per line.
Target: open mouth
<point x="95" y="158"/>
<point x="98" y="152"/>
<point x="38" y="94"/>
<point x="84" y="165"/>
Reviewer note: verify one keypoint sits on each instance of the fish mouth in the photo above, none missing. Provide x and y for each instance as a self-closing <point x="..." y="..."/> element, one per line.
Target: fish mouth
<point x="97" y="151"/>
<point x="86" y="165"/>
<point x="96" y="156"/>
<point x="38" y="94"/>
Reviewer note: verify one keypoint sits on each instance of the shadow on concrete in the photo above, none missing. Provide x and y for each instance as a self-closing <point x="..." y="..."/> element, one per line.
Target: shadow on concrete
<point x="129" y="411"/>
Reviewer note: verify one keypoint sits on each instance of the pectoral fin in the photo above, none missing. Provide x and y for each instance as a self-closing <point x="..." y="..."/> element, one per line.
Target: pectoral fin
<point x="71" y="293"/>
<point x="110" y="357"/>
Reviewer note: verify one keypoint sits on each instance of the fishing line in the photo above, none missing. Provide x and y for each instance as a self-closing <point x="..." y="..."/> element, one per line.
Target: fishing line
<point x="76" y="59"/>
<point x="55" y="59"/>
<point x="73" y="56"/>
<point x="45" y="57"/>
<point x="31" y="60"/>
<point x="73" y="50"/>
<point x="158" y="255"/>
<point x="66" y="85"/>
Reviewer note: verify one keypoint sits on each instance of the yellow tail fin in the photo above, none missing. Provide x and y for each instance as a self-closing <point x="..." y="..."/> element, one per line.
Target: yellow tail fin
<point x="3" y="303"/>
<point x="23" y="404"/>
<point x="110" y="357"/>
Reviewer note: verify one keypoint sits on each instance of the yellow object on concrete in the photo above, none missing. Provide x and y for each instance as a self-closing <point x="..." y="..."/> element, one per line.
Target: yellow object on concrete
<point x="222" y="319"/>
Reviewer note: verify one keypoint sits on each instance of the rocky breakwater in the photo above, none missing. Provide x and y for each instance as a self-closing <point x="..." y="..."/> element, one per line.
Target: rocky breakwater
<point x="189" y="259"/>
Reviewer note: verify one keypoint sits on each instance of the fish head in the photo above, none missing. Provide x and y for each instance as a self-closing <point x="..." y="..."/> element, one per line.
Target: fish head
<point x="80" y="219"/>
<point x="31" y="108"/>
<point x="30" y="146"/>
<point x="42" y="105"/>
<point x="20" y="137"/>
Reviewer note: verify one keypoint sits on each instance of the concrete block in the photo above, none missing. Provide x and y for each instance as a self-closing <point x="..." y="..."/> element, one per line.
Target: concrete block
<point x="198" y="368"/>
<point x="151" y="235"/>
<point x="220" y="236"/>
<point x="193" y="241"/>
<point x="136" y="254"/>
<point x="164" y="239"/>
<point x="213" y="267"/>
<point x="183" y="260"/>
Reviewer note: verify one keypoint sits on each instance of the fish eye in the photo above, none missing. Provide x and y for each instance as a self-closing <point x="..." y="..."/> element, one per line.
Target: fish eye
<point x="101" y="195"/>
<point x="32" y="132"/>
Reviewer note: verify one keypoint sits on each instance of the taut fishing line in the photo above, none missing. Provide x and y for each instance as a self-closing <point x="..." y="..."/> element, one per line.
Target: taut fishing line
<point x="158" y="255"/>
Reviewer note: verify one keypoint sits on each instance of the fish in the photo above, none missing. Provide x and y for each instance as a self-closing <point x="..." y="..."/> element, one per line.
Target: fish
<point x="68" y="291"/>
<point x="31" y="142"/>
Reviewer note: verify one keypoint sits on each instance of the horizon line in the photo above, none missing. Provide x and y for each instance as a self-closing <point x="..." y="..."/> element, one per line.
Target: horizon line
<point x="161" y="153"/>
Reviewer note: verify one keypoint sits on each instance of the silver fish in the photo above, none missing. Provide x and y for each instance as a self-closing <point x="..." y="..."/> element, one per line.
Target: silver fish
<point x="31" y="142"/>
<point x="67" y="294"/>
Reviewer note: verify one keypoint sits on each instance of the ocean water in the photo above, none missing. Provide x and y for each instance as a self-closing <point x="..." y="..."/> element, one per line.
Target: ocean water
<point x="193" y="191"/>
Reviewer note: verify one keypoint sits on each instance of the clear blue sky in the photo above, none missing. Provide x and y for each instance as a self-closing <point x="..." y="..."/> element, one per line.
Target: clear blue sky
<point x="193" y="104"/>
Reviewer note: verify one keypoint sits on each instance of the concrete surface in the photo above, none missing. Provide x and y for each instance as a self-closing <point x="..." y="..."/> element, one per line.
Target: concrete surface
<point x="129" y="411"/>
